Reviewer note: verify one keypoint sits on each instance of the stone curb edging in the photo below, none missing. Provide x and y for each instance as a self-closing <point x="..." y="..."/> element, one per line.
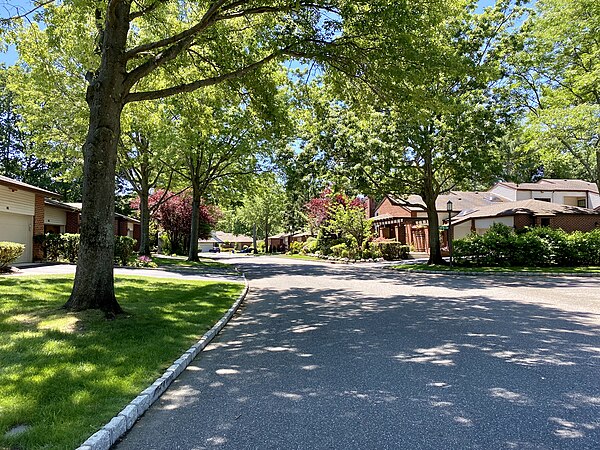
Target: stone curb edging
<point x="105" y="438"/>
<point x="502" y="274"/>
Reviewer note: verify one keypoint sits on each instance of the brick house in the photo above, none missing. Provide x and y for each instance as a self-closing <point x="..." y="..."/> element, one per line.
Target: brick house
<point x="22" y="215"/>
<point x="405" y="220"/>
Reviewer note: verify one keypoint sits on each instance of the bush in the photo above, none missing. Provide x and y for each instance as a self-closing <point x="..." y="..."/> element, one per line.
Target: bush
<point x="143" y="261"/>
<point x="392" y="251"/>
<point x="295" y="247"/>
<point x="69" y="247"/>
<point x="535" y="247"/>
<point x="9" y="252"/>
<point x="310" y="246"/>
<point x="123" y="249"/>
<point x="337" y="250"/>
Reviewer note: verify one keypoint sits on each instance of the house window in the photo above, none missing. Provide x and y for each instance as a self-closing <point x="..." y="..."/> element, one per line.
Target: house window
<point x="545" y="221"/>
<point x="543" y="199"/>
<point x="581" y="203"/>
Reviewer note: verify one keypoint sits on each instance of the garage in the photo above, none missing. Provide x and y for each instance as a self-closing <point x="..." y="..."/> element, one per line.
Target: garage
<point x="17" y="228"/>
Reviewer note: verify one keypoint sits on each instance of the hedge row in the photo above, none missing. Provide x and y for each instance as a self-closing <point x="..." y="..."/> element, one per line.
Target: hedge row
<point x="535" y="247"/>
<point x="65" y="247"/>
<point x="9" y="252"/>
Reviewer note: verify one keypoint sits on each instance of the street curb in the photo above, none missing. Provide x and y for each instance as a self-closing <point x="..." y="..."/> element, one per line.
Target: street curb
<point x="105" y="438"/>
<point x="501" y="274"/>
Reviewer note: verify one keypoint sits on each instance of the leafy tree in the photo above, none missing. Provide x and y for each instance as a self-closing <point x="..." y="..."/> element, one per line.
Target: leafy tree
<point x="173" y="212"/>
<point x="555" y="81"/>
<point x="349" y="221"/>
<point x="263" y="208"/>
<point x="152" y="49"/>
<point x="441" y="136"/>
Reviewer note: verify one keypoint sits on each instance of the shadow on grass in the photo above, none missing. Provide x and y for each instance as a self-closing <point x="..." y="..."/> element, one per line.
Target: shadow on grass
<point x="65" y="374"/>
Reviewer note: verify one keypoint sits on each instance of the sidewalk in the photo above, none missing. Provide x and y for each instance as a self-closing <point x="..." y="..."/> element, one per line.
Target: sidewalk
<point x="171" y="272"/>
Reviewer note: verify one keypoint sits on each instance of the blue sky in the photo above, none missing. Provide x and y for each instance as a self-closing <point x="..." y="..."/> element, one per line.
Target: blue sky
<point x="10" y="56"/>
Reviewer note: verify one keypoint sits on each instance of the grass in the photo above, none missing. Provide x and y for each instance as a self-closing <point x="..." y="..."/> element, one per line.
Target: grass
<point x="304" y="257"/>
<point x="181" y="261"/>
<point x="64" y="375"/>
<point x="550" y="270"/>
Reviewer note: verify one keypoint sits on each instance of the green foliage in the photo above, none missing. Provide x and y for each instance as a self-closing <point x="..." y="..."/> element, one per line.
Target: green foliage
<point x="69" y="247"/>
<point x="310" y="246"/>
<point x="338" y="250"/>
<point x="535" y="247"/>
<point x="296" y="247"/>
<point x="9" y="252"/>
<point x="392" y="251"/>
<point x="555" y="76"/>
<point x="123" y="249"/>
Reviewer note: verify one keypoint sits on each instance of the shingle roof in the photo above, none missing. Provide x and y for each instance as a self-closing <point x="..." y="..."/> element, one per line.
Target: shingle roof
<point x="230" y="237"/>
<point x="530" y="207"/>
<point x="27" y="187"/>
<point x="551" y="184"/>
<point x="461" y="200"/>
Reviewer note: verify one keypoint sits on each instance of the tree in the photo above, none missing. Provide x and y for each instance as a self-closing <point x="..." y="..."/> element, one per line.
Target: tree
<point x="555" y="82"/>
<point x="263" y="207"/>
<point x="348" y="220"/>
<point x="440" y="136"/>
<point x="208" y="43"/>
<point x="220" y="136"/>
<point x="173" y="212"/>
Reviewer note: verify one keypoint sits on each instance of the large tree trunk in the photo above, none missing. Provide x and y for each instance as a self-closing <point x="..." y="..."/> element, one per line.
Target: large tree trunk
<point x="193" y="252"/>
<point x="144" y="223"/>
<point x="94" y="283"/>
<point x="430" y="194"/>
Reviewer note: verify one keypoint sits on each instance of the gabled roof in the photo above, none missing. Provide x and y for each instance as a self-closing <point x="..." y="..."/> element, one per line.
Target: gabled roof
<point x="76" y="206"/>
<point x="61" y="205"/>
<point x="461" y="200"/>
<point x="552" y="184"/>
<point x="15" y="184"/>
<point x="529" y="207"/>
<point x="221" y="236"/>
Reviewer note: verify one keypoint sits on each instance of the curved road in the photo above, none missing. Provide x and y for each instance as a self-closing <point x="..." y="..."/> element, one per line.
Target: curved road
<point x="357" y="357"/>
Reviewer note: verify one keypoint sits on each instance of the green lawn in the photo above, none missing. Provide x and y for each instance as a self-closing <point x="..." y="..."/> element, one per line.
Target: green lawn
<point x="181" y="261"/>
<point x="66" y="374"/>
<point x="304" y="257"/>
<point x="550" y="270"/>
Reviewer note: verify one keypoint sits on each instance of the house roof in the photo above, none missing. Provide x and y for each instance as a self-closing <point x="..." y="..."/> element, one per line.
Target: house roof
<point x="221" y="236"/>
<point x="76" y="206"/>
<point x="61" y="205"/>
<point x="10" y="182"/>
<point x="461" y="200"/>
<point x="551" y="184"/>
<point x="529" y="207"/>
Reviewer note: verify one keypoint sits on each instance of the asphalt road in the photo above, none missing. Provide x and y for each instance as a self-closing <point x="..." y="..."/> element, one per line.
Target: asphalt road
<point x="353" y="357"/>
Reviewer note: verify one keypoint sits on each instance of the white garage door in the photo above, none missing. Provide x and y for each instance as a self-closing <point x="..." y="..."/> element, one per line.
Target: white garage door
<point x="17" y="228"/>
<point x="205" y="246"/>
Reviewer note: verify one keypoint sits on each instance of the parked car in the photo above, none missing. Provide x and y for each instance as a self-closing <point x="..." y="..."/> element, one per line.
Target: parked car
<point x="215" y="250"/>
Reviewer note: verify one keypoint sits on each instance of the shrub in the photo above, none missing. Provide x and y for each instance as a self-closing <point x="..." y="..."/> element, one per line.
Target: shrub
<point x="530" y="247"/>
<point x="9" y="252"/>
<point x="310" y="246"/>
<point x="143" y="261"/>
<point x="337" y="250"/>
<point x="69" y="247"/>
<point x="123" y="249"/>
<point x="392" y="251"/>
<point x="295" y="247"/>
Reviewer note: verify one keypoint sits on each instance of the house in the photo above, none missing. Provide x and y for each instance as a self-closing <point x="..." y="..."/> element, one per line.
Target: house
<point x="62" y="217"/>
<point x="405" y="220"/>
<point x="281" y="242"/>
<point x="22" y="215"/>
<point x="565" y="192"/>
<point x="525" y="213"/>
<point x="221" y="238"/>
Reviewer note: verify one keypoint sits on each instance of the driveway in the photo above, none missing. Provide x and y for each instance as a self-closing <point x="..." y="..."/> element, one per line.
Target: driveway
<point x="356" y="357"/>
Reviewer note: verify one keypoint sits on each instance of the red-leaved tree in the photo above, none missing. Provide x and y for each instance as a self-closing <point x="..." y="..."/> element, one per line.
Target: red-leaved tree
<point x="173" y="212"/>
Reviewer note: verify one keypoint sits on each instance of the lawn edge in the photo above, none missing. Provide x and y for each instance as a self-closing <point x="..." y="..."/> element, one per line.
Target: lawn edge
<point x="499" y="273"/>
<point x="111" y="432"/>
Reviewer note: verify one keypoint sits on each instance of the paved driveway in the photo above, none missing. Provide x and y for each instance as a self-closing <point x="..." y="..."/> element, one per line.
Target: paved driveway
<point x="346" y="357"/>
